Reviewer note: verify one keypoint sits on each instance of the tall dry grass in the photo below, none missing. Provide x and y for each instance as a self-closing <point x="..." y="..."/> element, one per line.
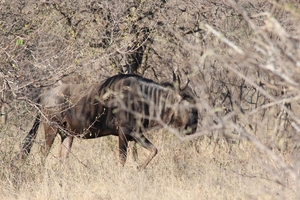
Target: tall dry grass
<point x="197" y="169"/>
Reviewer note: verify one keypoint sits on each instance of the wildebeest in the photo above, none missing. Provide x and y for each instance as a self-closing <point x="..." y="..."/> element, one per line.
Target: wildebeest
<point x="122" y="105"/>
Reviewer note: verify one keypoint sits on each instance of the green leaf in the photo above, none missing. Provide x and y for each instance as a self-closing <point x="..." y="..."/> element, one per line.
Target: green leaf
<point x="19" y="42"/>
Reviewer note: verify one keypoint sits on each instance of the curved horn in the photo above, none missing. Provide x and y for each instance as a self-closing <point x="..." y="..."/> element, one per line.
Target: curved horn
<point x="185" y="85"/>
<point x="177" y="80"/>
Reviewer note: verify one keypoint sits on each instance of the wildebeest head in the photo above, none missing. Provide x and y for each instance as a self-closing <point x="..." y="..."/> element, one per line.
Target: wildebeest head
<point x="186" y="117"/>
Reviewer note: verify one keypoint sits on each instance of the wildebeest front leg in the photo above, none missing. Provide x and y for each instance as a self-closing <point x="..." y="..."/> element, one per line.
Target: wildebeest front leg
<point x="123" y="145"/>
<point x="141" y="139"/>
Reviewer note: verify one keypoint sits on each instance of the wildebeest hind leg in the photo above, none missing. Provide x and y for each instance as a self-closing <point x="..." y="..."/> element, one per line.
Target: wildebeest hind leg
<point x="66" y="144"/>
<point x="134" y="151"/>
<point x="50" y="133"/>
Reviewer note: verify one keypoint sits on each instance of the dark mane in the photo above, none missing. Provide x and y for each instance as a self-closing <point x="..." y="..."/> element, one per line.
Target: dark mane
<point x="167" y="85"/>
<point x="118" y="77"/>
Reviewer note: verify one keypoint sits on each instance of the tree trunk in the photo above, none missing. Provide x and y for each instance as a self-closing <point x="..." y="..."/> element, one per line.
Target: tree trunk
<point x="3" y="101"/>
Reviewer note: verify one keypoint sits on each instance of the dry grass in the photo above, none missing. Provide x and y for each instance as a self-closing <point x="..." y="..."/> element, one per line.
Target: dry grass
<point x="198" y="169"/>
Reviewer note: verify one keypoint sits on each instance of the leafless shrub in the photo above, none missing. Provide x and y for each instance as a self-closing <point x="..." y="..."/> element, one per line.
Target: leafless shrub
<point x="242" y="59"/>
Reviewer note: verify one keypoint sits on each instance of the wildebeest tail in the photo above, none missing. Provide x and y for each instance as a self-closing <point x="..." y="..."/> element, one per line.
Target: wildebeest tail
<point x="28" y="141"/>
